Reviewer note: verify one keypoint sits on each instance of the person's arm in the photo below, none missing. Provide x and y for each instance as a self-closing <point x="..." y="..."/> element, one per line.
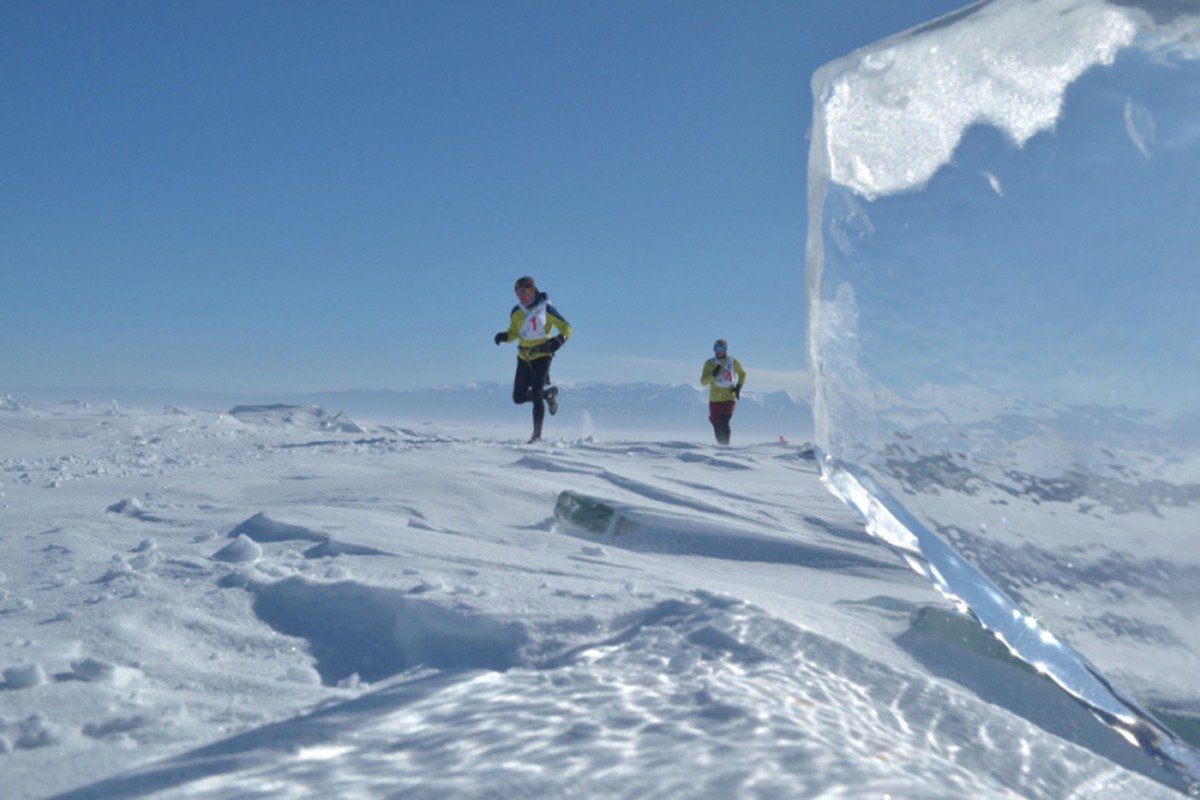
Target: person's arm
<point x="741" y="374"/>
<point x="514" y="327"/>
<point x="514" y="324"/>
<point x="706" y="373"/>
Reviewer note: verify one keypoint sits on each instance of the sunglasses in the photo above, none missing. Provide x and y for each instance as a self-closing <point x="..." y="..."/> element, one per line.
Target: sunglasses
<point x="522" y="291"/>
<point x="717" y="348"/>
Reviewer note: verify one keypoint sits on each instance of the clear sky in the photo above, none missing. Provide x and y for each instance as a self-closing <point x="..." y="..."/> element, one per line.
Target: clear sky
<point x="284" y="197"/>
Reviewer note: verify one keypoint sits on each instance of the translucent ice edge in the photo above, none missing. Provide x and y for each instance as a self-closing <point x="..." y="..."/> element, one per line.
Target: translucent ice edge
<point x="894" y="112"/>
<point x="1020" y="632"/>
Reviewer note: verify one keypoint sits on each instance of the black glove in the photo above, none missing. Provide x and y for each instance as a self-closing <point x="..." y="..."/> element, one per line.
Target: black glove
<point x="716" y="370"/>
<point x="551" y="345"/>
<point x="737" y="392"/>
<point x="502" y="336"/>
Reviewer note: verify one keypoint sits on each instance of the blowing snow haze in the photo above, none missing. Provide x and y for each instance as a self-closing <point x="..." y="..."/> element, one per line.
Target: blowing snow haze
<point x="599" y="410"/>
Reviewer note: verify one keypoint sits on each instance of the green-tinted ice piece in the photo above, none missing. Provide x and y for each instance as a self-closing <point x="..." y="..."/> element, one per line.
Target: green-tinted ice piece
<point x="591" y="515"/>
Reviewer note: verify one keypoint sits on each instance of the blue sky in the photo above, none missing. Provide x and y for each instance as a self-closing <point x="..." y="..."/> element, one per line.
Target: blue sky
<point x="281" y="197"/>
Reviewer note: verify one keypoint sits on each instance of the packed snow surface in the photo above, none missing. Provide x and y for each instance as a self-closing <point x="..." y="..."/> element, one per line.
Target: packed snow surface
<point x="199" y="605"/>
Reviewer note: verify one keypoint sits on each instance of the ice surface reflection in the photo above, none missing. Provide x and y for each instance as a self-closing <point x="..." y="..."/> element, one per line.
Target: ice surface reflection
<point x="1003" y="278"/>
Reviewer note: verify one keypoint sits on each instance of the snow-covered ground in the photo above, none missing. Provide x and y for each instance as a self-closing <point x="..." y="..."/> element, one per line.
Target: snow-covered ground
<point x="279" y="604"/>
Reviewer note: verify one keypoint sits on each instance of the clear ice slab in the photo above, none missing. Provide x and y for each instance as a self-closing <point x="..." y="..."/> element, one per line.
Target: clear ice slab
<point x="1003" y="280"/>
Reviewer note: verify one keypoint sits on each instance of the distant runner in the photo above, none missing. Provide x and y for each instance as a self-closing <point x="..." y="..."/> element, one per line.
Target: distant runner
<point x="724" y="391"/>
<point x="530" y="323"/>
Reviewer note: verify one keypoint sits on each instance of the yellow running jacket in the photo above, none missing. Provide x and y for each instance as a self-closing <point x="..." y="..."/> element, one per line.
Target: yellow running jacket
<point x="530" y="326"/>
<point x="721" y="385"/>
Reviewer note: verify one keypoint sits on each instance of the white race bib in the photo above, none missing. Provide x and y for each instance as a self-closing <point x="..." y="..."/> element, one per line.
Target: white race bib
<point x="725" y="378"/>
<point x="534" y="326"/>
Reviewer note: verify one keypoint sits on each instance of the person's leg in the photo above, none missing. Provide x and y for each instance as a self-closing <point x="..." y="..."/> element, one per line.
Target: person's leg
<point x="550" y="393"/>
<point x="521" y="381"/>
<point x="724" y="434"/>
<point x="538" y="371"/>
<point x="719" y="415"/>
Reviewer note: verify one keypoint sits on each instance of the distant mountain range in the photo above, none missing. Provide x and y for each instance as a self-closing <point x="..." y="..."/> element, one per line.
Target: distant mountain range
<point x="649" y="408"/>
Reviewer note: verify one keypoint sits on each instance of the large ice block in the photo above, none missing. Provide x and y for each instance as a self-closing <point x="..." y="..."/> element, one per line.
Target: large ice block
<point x="1003" y="277"/>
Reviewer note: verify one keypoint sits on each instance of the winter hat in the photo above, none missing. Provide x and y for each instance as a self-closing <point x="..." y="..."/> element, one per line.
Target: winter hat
<point x="720" y="344"/>
<point x="525" y="282"/>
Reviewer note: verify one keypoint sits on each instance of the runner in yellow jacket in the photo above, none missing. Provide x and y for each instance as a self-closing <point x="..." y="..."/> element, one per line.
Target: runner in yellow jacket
<point x="529" y="324"/>
<point x="724" y="377"/>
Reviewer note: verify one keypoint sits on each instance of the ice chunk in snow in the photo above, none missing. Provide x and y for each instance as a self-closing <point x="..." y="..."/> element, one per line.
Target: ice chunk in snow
<point x="262" y="528"/>
<point x="33" y="731"/>
<point x="130" y="507"/>
<point x="95" y="670"/>
<point x="592" y="515"/>
<point x="1002" y="285"/>
<point x="283" y="415"/>
<point x="340" y="422"/>
<point x="24" y="676"/>
<point x="240" y="551"/>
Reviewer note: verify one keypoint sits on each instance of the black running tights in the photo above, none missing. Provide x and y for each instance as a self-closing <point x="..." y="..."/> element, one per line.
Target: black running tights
<point x="528" y="383"/>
